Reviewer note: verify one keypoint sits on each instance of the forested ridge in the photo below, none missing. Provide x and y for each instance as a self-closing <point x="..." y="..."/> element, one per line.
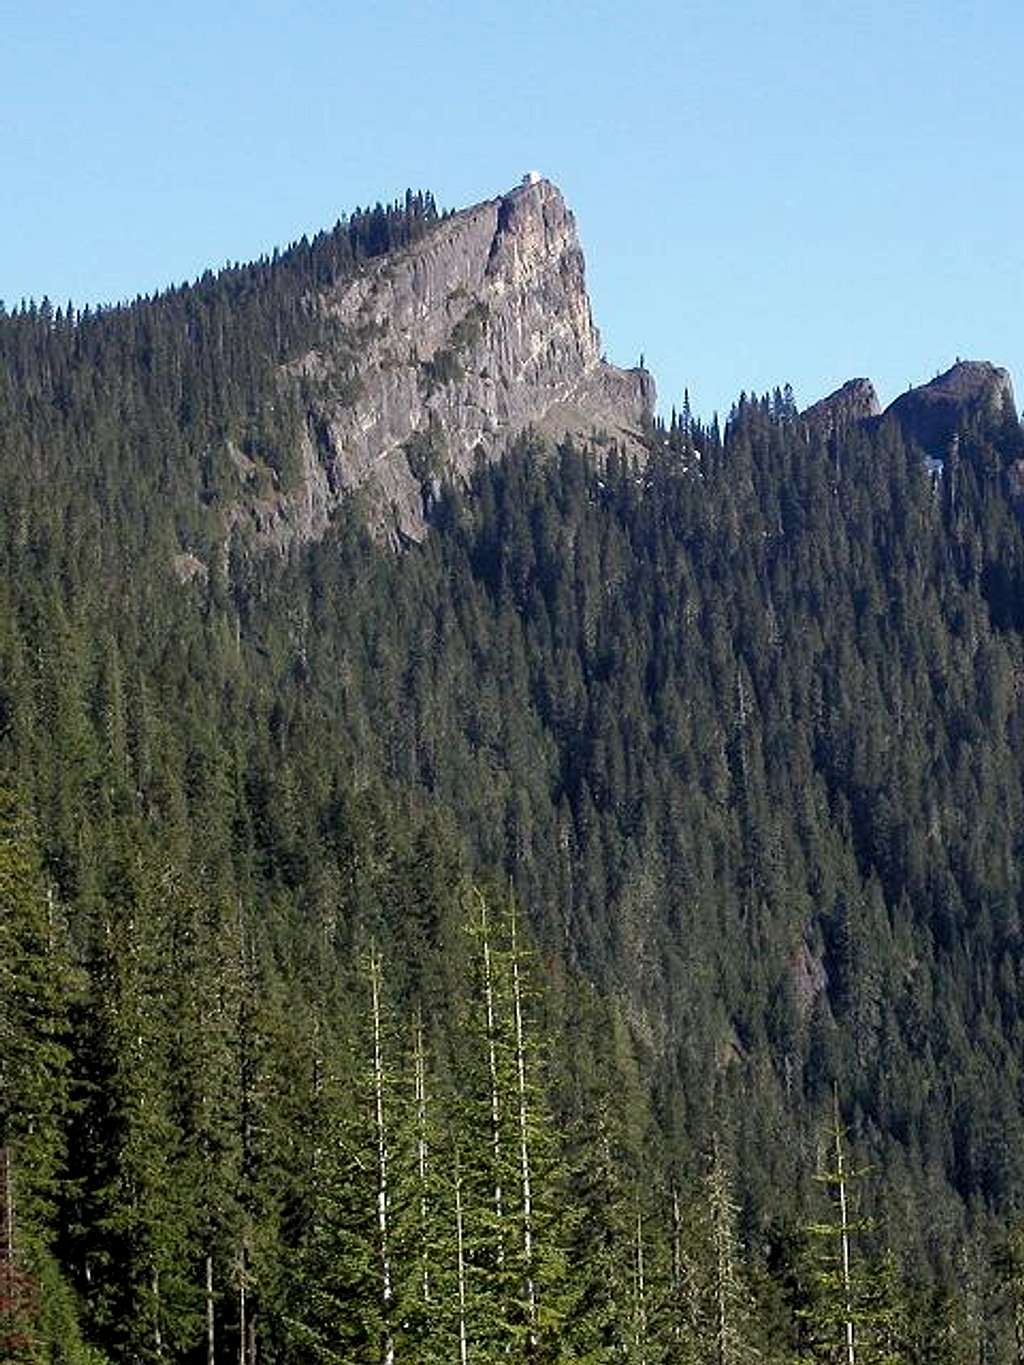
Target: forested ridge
<point x="522" y="946"/>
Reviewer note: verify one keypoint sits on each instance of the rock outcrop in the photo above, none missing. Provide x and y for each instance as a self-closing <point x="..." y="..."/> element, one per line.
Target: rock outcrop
<point x="931" y="413"/>
<point x="855" y="402"/>
<point x="457" y="344"/>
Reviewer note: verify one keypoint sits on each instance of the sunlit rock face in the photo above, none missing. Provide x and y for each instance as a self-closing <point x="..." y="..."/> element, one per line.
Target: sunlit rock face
<point x="457" y="344"/>
<point x="854" y="402"/>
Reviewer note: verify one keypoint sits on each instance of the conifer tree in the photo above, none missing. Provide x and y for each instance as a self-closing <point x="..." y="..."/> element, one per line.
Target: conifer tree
<point x="37" y="980"/>
<point x="858" y="1309"/>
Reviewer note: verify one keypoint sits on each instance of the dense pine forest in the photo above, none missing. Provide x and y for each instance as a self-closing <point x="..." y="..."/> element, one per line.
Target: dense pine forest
<point x="590" y="935"/>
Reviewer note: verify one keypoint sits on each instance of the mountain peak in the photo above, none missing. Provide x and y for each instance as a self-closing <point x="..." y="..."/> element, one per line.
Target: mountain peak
<point x="852" y="402"/>
<point x="451" y="347"/>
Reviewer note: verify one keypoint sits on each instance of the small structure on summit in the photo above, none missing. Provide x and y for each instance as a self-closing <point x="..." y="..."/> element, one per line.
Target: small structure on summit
<point x="531" y="178"/>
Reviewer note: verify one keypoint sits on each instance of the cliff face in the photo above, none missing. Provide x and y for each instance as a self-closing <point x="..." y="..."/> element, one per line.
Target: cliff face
<point x="455" y="345"/>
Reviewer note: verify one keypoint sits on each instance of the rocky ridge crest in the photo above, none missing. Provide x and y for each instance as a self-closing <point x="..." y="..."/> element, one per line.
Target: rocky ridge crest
<point x="928" y="414"/>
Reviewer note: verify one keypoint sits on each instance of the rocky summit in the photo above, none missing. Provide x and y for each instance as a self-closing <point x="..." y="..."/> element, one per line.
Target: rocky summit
<point x="456" y="344"/>
<point x="931" y="413"/>
<point x="855" y="401"/>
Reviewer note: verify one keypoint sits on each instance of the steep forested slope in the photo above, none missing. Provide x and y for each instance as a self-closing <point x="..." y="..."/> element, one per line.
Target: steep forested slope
<point x="730" y="739"/>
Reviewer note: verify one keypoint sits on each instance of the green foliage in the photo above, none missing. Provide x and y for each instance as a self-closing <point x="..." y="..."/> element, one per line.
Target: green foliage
<point x="443" y="367"/>
<point x="447" y="364"/>
<point x="469" y="329"/>
<point x="425" y="451"/>
<point x="36" y="982"/>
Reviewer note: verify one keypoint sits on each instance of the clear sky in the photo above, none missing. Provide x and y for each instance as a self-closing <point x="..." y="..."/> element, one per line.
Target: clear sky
<point x="766" y="192"/>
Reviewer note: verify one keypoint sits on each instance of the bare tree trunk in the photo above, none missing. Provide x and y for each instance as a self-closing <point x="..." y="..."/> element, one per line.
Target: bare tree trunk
<point x="241" y="1307"/>
<point x="210" y="1339"/>
<point x="461" y="1255"/>
<point x="387" y="1291"/>
<point x="492" y="1058"/>
<point x="640" y="1325"/>
<point x="677" y="1241"/>
<point x="844" y="1231"/>
<point x="719" y="1209"/>
<point x="677" y="1260"/>
<point x="421" y="1157"/>
<point x="158" y="1343"/>
<point x="12" y="1301"/>
<point x="318" y="1090"/>
<point x="524" y="1148"/>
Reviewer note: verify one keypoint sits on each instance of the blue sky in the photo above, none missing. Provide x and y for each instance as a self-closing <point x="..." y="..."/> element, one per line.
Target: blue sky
<point x="797" y="192"/>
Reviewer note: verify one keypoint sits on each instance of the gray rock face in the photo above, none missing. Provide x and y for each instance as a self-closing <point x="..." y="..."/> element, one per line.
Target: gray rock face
<point x="476" y="333"/>
<point x="854" y="402"/>
<point x="930" y="414"/>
